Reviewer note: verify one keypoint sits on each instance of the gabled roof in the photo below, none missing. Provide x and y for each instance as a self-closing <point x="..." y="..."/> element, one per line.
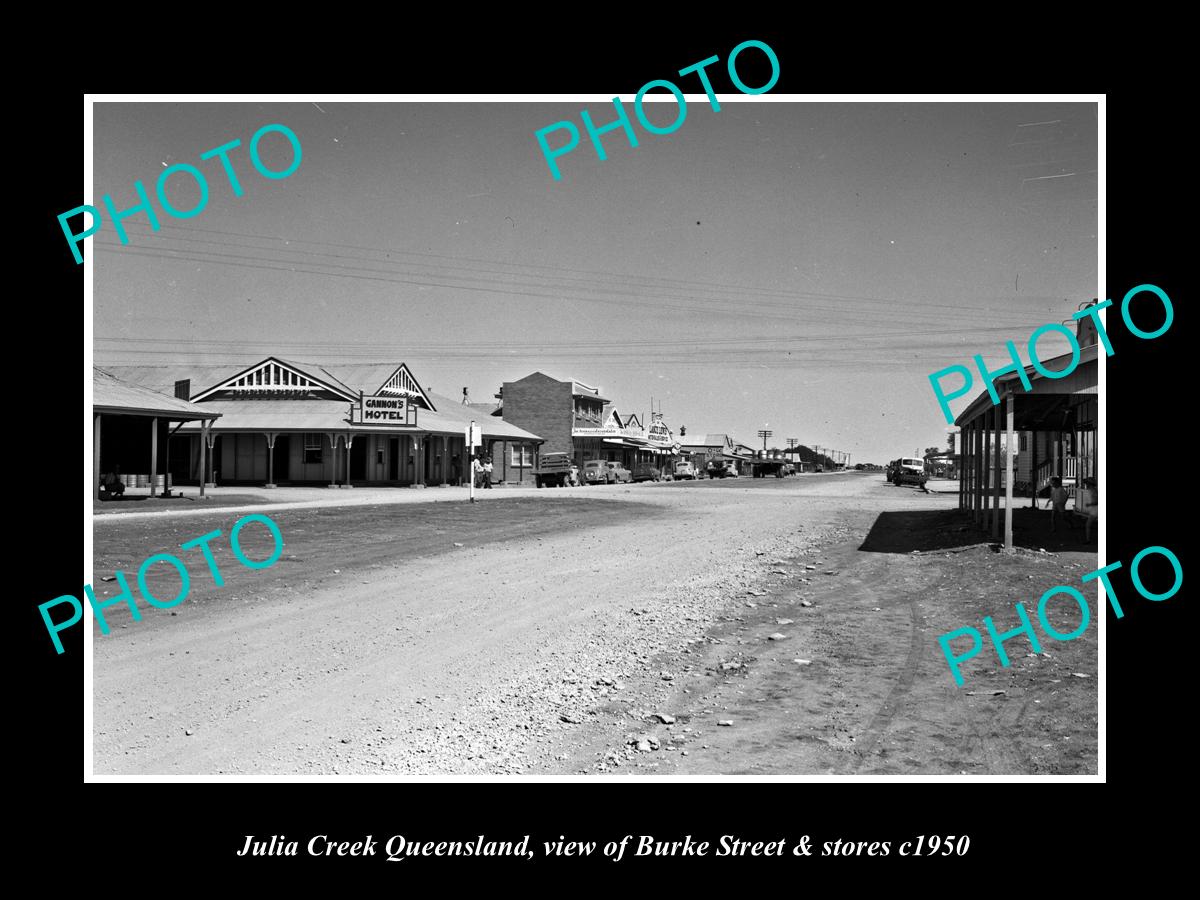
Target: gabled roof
<point x="274" y="374"/>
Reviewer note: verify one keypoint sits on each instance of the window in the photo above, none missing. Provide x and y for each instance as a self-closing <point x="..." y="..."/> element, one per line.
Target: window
<point x="1021" y="443"/>
<point x="521" y="456"/>
<point x="312" y="449"/>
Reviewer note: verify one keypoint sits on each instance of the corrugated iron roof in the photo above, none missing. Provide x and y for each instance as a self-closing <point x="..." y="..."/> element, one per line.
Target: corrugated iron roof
<point x="315" y="415"/>
<point x="279" y="415"/>
<point x="113" y="395"/>
<point x="1083" y="379"/>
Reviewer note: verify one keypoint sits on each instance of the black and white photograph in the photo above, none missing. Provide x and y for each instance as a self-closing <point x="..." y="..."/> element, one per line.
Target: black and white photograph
<point x="710" y="433"/>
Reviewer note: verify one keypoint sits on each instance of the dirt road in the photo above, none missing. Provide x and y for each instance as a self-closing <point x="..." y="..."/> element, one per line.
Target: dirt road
<point x="547" y="631"/>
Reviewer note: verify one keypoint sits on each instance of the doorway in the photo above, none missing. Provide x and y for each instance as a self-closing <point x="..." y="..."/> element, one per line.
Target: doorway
<point x="393" y="465"/>
<point x="358" y="459"/>
<point x="283" y="458"/>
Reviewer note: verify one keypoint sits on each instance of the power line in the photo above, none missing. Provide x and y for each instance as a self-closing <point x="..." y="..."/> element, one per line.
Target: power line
<point x="669" y="283"/>
<point x="357" y="272"/>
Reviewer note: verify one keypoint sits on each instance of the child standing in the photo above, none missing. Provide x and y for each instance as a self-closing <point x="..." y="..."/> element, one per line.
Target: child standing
<point x="1057" y="502"/>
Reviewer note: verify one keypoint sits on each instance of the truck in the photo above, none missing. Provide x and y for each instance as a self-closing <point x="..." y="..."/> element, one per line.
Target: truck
<point x="556" y="470"/>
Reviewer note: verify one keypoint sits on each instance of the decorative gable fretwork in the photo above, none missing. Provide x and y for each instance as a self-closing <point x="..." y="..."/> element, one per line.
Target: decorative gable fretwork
<point x="272" y="378"/>
<point x="402" y="384"/>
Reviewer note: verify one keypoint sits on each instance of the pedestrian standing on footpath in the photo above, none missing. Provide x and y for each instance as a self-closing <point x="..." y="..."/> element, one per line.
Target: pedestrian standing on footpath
<point x="477" y="471"/>
<point x="487" y="474"/>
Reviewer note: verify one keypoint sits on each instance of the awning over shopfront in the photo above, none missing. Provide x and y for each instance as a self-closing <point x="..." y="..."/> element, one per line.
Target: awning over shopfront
<point x="376" y="418"/>
<point x="116" y="401"/>
<point x="1063" y="404"/>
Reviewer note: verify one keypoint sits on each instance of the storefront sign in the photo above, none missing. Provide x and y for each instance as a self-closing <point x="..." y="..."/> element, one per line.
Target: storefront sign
<point x="383" y="409"/>
<point x="606" y="431"/>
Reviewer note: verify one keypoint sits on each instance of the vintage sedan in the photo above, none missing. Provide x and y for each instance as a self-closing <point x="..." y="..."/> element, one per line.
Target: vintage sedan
<point x="600" y="471"/>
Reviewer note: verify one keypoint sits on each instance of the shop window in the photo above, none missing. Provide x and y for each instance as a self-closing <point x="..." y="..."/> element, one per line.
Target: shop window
<point x="313" y="445"/>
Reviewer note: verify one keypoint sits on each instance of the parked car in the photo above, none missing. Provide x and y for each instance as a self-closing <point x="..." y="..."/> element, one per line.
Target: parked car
<point x="909" y="470"/>
<point x="599" y="471"/>
<point x="721" y="469"/>
<point x="685" y="470"/>
<point x="646" y="472"/>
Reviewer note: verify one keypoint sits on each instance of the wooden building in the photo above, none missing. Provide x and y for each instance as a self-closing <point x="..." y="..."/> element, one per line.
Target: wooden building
<point x="1059" y="420"/>
<point x="287" y="422"/>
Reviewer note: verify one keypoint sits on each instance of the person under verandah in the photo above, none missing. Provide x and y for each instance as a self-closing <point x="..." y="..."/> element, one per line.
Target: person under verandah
<point x="1057" y="502"/>
<point x="1089" y="505"/>
<point x="111" y="483"/>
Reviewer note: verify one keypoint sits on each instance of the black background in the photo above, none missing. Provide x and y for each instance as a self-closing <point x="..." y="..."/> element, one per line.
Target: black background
<point x="189" y="833"/>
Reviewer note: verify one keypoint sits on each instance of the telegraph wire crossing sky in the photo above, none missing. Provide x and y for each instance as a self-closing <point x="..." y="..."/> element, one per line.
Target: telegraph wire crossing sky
<point x="805" y="265"/>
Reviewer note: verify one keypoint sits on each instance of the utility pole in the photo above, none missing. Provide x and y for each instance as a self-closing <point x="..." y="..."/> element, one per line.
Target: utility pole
<point x="764" y="434"/>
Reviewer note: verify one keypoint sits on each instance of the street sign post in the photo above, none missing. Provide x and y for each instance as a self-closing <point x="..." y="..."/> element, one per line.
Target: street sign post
<point x="474" y="438"/>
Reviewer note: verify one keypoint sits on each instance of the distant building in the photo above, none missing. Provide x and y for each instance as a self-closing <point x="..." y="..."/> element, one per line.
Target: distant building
<point x="575" y="418"/>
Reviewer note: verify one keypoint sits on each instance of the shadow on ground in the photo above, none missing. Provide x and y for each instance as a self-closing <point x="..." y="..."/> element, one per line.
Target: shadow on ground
<point x="946" y="529"/>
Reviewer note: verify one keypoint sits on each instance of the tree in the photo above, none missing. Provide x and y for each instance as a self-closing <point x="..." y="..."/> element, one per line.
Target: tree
<point x="932" y="451"/>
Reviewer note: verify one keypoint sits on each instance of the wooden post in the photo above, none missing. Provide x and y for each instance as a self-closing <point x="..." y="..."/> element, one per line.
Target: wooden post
<point x="996" y="471"/>
<point x="960" y="480"/>
<point x="964" y="458"/>
<point x="445" y="458"/>
<point x="205" y="424"/>
<point x="349" y="443"/>
<point x="212" y="456"/>
<point x="983" y="450"/>
<point x="1033" y="468"/>
<point x="964" y="464"/>
<point x="270" y="435"/>
<point x="154" y="453"/>
<point x="333" y="443"/>
<point x="972" y="463"/>
<point x="96" y="458"/>
<point x="967" y="469"/>
<point x="981" y="491"/>
<point x="1008" y="477"/>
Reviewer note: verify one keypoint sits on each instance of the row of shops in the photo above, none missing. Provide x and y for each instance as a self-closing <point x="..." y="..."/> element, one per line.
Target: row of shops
<point x="282" y="422"/>
<point x="575" y="418"/>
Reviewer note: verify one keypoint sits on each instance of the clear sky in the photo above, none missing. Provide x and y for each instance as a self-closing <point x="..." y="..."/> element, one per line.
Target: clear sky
<point x="798" y="267"/>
